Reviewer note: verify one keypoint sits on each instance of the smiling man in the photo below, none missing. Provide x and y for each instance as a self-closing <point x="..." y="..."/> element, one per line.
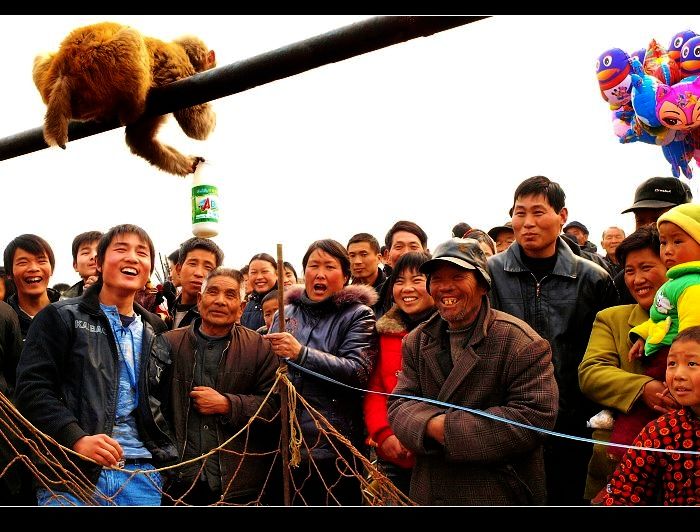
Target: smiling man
<point x="85" y="378"/>
<point x="473" y="356"/>
<point x="29" y="261"/>
<point x="220" y="376"/>
<point x="539" y="280"/>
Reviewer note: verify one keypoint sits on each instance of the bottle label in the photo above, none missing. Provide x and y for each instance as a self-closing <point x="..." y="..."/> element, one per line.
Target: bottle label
<point x="205" y="204"/>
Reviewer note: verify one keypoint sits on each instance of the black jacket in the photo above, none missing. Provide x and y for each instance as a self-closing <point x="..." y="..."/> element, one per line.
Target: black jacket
<point x="191" y="315"/>
<point x="10" y="348"/>
<point x="68" y="377"/>
<point x="252" y="316"/>
<point x="24" y="320"/>
<point x="341" y="342"/>
<point x="561" y="308"/>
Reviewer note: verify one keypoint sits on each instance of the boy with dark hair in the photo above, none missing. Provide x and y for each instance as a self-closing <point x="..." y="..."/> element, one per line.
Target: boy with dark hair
<point x="85" y="378"/>
<point x="29" y="262"/>
<point x="197" y="257"/>
<point x="84" y="250"/>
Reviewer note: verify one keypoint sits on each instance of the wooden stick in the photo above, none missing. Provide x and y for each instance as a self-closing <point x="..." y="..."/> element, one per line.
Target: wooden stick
<point x="284" y="393"/>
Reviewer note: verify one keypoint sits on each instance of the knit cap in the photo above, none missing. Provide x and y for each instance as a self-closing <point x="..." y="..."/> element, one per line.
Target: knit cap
<point x="686" y="216"/>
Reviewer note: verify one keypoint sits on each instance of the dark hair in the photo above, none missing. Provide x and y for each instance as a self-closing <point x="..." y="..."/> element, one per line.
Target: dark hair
<point x="333" y="248"/>
<point x="244" y="270"/>
<point x="537" y="185"/>
<point x="266" y="257"/>
<point x="289" y="265"/>
<point x="9" y="285"/>
<point x="691" y="334"/>
<point x="174" y="257"/>
<point x="200" y="243"/>
<point x="225" y="272"/>
<point x="31" y="243"/>
<point x="460" y="229"/>
<point x="409" y="227"/>
<point x="481" y="236"/>
<point x="61" y="287"/>
<point x="124" y="229"/>
<point x="643" y="238"/>
<point x="84" y="238"/>
<point x="365" y="237"/>
<point x="271" y="295"/>
<point x="412" y="260"/>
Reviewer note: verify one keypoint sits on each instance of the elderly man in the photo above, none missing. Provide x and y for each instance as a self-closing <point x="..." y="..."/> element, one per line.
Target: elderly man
<point x="473" y="356"/>
<point x="612" y="237"/>
<point x="221" y="374"/>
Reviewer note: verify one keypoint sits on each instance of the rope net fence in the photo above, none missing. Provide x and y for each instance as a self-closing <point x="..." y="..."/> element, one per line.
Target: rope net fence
<point x="27" y="453"/>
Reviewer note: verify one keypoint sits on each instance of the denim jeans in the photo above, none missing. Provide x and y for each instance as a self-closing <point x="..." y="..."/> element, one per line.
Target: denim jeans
<point x="138" y="490"/>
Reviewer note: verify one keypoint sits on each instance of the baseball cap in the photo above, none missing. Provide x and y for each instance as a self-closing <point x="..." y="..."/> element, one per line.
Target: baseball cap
<point x="660" y="192"/>
<point x="463" y="252"/>
<point x="493" y="232"/>
<point x="576" y="224"/>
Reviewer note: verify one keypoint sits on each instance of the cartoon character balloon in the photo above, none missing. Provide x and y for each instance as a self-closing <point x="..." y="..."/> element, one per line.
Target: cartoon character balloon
<point x="690" y="58"/>
<point x="613" y="71"/>
<point x="639" y="54"/>
<point x="678" y="106"/>
<point x="677" y="42"/>
<point x="644" y="95"/>
<point x="655" y="97"/>
<point x="659" y="64"/>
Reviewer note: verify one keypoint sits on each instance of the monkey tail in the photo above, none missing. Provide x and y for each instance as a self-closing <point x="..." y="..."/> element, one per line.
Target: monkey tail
<point x="58" y="113"/>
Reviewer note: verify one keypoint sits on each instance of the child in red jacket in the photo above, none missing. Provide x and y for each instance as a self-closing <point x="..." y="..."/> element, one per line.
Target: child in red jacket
<point x="661" y="477"/>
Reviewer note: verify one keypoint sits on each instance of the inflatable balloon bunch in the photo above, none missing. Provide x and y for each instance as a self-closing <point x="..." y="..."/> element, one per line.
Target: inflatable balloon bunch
<point x="654" y="96"/>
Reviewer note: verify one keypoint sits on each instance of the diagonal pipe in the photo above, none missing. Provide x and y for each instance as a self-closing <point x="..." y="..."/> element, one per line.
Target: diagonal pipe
<point x="336" y="45"/>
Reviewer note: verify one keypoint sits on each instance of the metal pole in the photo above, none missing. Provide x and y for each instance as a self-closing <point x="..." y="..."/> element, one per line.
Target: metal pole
<point x="284" y="396"/>
<point x="336" y="45"/>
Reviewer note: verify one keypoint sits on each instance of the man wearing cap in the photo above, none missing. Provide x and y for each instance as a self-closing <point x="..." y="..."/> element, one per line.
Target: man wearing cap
<point x="655" y="196"/>
<point x="652" y="198"/>
<point x="580" y="232"/>
<point x="540" y="280"/>
<point x="502" y="235"/>
<point x="468" y="354"/>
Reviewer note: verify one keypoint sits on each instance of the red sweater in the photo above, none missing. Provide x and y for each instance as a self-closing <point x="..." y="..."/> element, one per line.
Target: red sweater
<point x="383" y="379"/>
<point x="644" y="477"/>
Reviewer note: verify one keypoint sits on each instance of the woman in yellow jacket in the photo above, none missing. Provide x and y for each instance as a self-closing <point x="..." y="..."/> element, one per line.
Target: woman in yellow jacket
<point x="606" y="375"/>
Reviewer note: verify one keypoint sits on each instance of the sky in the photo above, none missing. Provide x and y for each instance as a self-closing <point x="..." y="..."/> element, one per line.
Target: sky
<point x="436" y="130"/>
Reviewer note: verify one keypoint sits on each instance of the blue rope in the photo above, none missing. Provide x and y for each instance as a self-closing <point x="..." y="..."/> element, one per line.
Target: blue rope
<point x="487" y="414"/>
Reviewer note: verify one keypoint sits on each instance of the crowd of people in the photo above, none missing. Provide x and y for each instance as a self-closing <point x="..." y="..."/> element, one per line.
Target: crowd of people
<point x="487" y="365"/>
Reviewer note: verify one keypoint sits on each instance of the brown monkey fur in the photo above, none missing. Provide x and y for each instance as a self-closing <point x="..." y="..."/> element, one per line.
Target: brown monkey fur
<point x="104" y="71"/>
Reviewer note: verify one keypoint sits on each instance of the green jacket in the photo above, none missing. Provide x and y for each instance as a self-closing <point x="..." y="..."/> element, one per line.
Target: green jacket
<point x="676" y="307"/>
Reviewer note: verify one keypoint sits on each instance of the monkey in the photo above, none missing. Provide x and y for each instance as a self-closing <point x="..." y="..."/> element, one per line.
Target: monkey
<point x="105" y="71"/>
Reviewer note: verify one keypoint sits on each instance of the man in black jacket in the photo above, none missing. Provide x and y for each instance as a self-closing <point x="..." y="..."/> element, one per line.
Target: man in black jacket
<point x="85" y="378"/>
<point x="541" y="281"/>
